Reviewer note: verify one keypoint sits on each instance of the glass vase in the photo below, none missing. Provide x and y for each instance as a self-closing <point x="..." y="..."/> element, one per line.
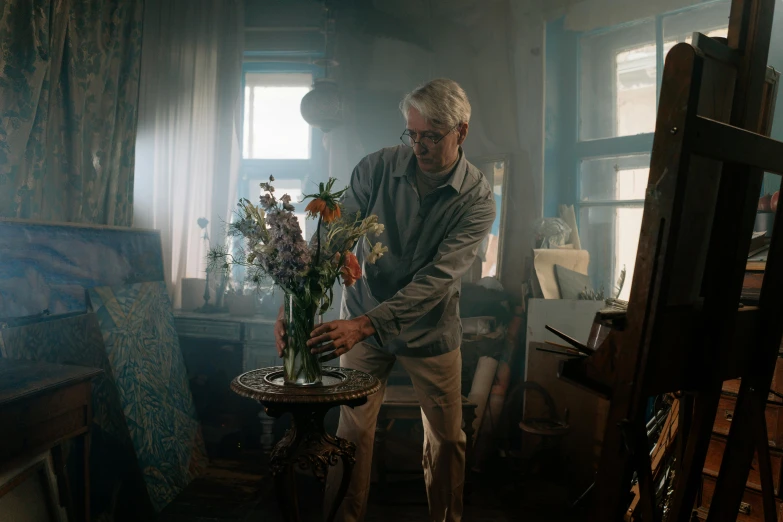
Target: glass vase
<point x="302" y="368"/>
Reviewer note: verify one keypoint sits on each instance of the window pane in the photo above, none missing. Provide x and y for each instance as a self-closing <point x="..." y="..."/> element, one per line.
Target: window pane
<point x="627" y="228"/>
<point x="618" y="82"/>
<point x="712" y="20"/>
<point x="273" y="126"/>
<point x="614" y="179"/>
<point x="611" y="235"/>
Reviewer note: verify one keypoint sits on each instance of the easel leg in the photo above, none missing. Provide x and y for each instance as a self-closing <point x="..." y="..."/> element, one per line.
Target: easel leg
<point x="765" y="465"/>
<point x="689" y="469"/>
<point x="644" y="472"/>
<point x="738" y="455"/>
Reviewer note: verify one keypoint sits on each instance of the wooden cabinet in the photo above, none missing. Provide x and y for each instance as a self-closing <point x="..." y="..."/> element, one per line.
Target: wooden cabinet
<point x="216" y="348"/>
<point x="715" y="457"/>
<point x="733" y="385"/>
<point x="773" y="413"/>
<point x="253" y="336"/>
<point x="751" y="509"/>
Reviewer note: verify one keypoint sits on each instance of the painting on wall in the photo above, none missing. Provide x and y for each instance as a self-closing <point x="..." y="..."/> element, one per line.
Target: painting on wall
<point x="45" y="267"/>
<point x="137" y="325"/>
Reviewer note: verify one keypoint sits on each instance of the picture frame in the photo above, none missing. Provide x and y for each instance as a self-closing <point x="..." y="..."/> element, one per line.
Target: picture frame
<point x="45" y="267"/>
<point x="497" y="169"/>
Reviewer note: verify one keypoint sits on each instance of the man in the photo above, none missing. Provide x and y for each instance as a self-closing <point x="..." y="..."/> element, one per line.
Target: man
<point x="437" y="209"/>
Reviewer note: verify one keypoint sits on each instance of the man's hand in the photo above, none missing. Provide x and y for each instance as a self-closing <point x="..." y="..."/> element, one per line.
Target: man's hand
<point x="280" y="332"/>
<point x="340" y="335"/>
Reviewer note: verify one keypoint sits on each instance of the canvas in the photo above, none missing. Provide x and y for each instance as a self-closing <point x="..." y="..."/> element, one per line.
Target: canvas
<point x="571" y="283"/>
<point x="137" y="325"/>
<point x="48" y="266"/>
<point x="117" y="486"/>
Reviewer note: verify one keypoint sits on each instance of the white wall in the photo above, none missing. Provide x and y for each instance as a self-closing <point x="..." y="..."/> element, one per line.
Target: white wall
<point x="494" y="49"/>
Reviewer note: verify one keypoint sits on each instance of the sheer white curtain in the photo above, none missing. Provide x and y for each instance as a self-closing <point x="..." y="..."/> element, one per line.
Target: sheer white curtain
<point x="187" y="146"/>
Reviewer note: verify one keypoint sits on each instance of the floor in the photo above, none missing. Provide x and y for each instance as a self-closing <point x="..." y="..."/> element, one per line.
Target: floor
<point x="240" y="489"/>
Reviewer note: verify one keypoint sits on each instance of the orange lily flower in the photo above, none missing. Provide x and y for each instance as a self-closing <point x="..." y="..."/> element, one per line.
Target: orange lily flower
<point x="319" y="206"/>
<point x="315" y="207"/>
<point x="351" y="271"/>
<point x="330" y="214"/>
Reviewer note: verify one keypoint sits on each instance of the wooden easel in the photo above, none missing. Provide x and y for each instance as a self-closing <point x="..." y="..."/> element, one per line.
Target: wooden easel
<point x="685" y="330"/>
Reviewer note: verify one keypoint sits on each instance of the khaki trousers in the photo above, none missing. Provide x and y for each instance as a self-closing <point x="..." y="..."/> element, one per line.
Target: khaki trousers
<point x="437" y="381"/>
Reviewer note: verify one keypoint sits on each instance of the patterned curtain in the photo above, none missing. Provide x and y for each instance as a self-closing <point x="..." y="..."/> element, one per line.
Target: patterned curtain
<point x="69" y="78"/>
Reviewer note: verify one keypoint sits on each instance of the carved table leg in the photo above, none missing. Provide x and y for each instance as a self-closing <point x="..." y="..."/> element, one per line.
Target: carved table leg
<point x="267" y="432"/>
<point x="348" y="463"/>
<point x="287" y="498"/>
<point x="308" y="447"/>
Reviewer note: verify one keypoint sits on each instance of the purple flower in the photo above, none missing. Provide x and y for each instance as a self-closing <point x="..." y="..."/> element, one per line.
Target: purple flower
<point x="268" y="202"/>
<point x="286" y="199"/>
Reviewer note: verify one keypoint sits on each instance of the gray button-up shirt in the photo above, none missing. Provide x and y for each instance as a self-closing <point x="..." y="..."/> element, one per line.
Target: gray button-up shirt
<point x="411" y="294"/>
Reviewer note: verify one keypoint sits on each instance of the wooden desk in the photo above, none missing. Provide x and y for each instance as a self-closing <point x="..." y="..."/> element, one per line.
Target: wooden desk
<point x="41" y="406"/>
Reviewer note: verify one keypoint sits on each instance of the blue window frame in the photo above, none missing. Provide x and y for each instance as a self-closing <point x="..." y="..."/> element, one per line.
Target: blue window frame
<point x="602" y="92"/>
<point x="296" y="171"/>
<point x="299" y="172"/>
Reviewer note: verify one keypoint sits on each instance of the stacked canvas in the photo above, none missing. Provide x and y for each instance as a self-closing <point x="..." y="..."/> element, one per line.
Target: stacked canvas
<point x="111" y="309"/>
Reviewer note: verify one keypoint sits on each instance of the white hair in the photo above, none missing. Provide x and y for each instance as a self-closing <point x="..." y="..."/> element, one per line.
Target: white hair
<point x="442" y="102"/>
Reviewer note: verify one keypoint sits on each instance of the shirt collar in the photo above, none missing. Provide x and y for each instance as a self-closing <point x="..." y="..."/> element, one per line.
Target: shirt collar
<point x="407" y="167"/>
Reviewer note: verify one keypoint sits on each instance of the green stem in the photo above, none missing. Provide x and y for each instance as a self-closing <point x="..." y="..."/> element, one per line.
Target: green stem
<point x="299" y="363"/>
<point x="318" y="239"/>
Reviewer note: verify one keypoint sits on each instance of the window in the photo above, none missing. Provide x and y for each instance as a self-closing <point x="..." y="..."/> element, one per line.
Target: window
<point x="276" y="141"/>
<point x="273" y="126"/>
<point x="617" y="84"/>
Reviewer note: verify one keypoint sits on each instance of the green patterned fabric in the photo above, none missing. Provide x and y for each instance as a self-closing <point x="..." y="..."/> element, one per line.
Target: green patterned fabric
<point x="137" y="323"/>
<point x="69" y="78"/>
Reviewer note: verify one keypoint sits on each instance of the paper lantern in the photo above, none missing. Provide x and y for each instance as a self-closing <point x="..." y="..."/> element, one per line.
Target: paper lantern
<point x="322" y="107"/>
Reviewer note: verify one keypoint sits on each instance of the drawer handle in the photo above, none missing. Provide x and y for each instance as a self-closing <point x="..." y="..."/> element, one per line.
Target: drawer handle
<point x="744" y="508"/>
<point x="729" y="415"/>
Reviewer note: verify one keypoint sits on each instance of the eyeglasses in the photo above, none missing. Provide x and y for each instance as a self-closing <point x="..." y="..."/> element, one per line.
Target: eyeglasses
<point x="409" y="139"/>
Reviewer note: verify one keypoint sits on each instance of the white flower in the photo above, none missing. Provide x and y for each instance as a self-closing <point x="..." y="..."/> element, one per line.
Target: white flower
<point x="377" y="252"/>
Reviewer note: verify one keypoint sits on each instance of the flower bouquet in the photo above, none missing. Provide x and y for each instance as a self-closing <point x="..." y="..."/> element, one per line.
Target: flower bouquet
<point x="306" y="272"/>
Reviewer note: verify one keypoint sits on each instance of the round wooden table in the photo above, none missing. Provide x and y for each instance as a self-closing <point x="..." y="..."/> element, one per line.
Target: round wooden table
<point x="306" y="445"/>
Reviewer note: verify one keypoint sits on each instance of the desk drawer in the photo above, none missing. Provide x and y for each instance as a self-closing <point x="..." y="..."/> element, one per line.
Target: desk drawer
<point x="773" y="413"/>
<point x="733" y="385"/>
<point x="263" y="333"/>
<point x="751" y="509"/>
<point x="39" y="422"/>
<point x="715" y="457"/>
<point x="207" y="329"/>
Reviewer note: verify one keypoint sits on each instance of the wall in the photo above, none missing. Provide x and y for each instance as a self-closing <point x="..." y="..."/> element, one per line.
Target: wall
<point x="495" y="51"/>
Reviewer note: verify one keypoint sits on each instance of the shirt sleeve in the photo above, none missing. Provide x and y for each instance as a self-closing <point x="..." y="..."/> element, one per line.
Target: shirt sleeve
<point x="429" y="286"/>
<point x="357" y="197"/>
